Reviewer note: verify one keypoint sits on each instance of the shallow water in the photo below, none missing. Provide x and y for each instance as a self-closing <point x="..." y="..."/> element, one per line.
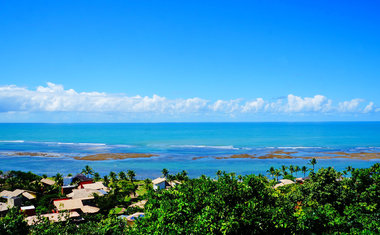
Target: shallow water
<point x="177" y="143"/>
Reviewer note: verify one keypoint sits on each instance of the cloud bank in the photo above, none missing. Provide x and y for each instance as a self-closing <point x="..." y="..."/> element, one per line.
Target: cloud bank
<point x="55" y="98"/>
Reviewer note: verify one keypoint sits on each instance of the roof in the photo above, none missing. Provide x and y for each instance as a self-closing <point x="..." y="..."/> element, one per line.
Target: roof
<point x="140" y="204"/>
<point x="23" y="208"/>
<point x="158" y="180"/>
<point x="96" y="185"/>
<point x="70" y="204"/>
<point x="4" y="206"/>
<point x="29" y="195"/>
<point x="73" y="204"/>
<point x="90" y="209"/>
<point x="84" y="193"/>
<point x="174" y="182"/>
<point x="53" y="217"/>
<point x="283" y="182"/>
<point x="47" y="181"/>
<point x="9" y="194"/>
<point x="134" y="216"/>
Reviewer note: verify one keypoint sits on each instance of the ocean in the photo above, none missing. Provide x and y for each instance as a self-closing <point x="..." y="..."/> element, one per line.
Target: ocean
<point x="198" y="148"/>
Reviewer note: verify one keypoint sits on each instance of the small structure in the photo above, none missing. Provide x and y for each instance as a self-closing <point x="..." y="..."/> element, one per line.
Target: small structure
<point x="160" y="183"/>
<point x="174" y="183"/>
<point x="84" y="194"/>
<point x="284" y="182"/>
<point x="47" y="181"/>
<point x="132" y="218"/>
<point x="28" y="210"/>
<point x="96" y="185"/>
<point x="74" y="205"/>
<point x="17" y="197"/>
<point x="52" y="217"/>
<point x="140" y="204"/>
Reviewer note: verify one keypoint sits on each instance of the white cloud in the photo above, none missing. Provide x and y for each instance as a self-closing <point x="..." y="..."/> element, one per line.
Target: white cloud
<point x="350" y="106"/>
<point x="368" y="108"/>
<point x="54" y="98"/>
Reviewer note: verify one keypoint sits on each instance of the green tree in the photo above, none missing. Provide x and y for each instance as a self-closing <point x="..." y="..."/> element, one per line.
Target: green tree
<point x="165" y="172"/>
<point x="313" y="162"/>
<point x="131" y="175"/>
<point x="87" y="170"/>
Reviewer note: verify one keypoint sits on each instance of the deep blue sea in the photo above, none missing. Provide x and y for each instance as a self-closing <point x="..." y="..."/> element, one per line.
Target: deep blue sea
<point x="176" y="144"/>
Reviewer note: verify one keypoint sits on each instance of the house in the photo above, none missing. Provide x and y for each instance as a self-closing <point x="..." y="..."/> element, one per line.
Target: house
<point x="132" y="218"/>
<point x="284" y="182"/>
<point x="96" y="185"/>
<point x="17" y="197"/>
<point x="47" y="181"/>
<point x="74" y="205"/>
<point x="84" y="194"/>
<point x="28" y="210"/>
<point x="82" y="183"/>
<point x="52" y="217"/>
<point x="160" y="183"/>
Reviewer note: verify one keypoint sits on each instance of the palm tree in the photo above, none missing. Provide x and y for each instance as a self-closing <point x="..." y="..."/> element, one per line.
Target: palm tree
<point x="131" y="174"/>
<point x="113" y="176"/>
<point x="122" y="175"/>
<point x="184" y="175"/>
<point x="147" y="183"/>
<point x="271" y="171"/>
<point x="297" y="169"/>
<point x="165" y="172"/>
<point x="58" y="179"/>
<point x="87" y="170"/>
<point x="349" y="168"/>
<point x="291" y="169"/>
<point x="304" y="170"/>
<point x="277" y="173"/>
<point x="106" y="180"/>
<point x="313" y="161"/>
<point x="283" y="169"/>
<point x="219" y="173"/>
<point x="96" y="176"/>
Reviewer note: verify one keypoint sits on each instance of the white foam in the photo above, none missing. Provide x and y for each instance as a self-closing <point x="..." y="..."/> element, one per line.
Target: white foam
<point x="12" y="141"/>
<point x="205" y="146"/>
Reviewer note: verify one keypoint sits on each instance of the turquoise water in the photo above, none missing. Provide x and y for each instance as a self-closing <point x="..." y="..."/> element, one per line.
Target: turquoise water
<point x="177" y="143"/>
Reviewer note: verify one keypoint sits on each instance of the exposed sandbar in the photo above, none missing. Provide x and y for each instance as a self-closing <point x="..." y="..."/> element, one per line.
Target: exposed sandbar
<point x="114" y="156"/>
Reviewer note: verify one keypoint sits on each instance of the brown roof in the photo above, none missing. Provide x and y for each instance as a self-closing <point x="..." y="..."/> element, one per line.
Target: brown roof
<point x="283" y="183"/>
<point x="47" y="181"/>
<point x="84" y="193"/>
<point x="53" y="217"/>
<point x="70" y="204"/>
<point x="96" y="185"/>
<point x="89" y="209"/>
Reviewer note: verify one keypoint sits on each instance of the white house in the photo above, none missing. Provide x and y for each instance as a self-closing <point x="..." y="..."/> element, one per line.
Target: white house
<point x="160" y="183"/>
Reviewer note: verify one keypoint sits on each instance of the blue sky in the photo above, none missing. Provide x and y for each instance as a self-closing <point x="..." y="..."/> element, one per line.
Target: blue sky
<point x="204" y="61"/>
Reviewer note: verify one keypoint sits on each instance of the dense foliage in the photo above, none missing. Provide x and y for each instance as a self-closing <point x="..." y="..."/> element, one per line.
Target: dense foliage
<point x="328" y="202"/>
